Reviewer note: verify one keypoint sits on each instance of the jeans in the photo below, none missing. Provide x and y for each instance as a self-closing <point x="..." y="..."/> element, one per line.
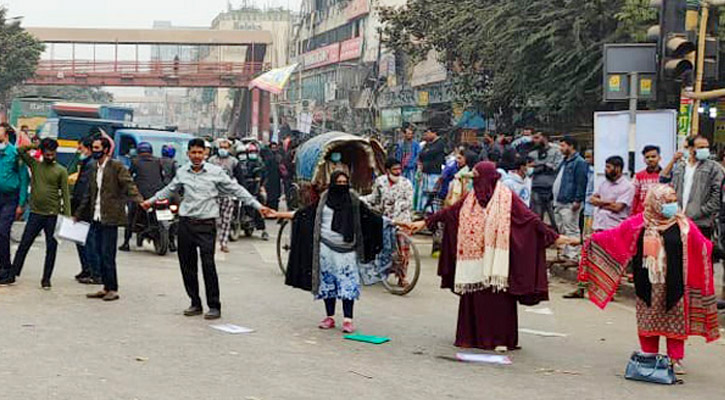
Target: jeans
<point x="101" y="254"/>
<point x="37" y="223"/>
<point x="197" y="238"/>
<point x="86" y="255"/>
<point x="568" y="220"/>
<point x="542" y="204"/>
<point x="8" y="205"/>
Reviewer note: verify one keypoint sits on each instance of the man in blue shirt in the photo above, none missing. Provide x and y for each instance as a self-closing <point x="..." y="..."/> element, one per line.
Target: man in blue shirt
<point x="13" y="191"/>
<point x="570" y="187"/>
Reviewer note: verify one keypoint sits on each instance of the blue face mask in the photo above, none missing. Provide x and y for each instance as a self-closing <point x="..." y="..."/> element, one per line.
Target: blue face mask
<point x="82" y="157"/>
<point x="336" y="157"/>
<point x="702" y="154"/>
<point x="223" y="153"/>
<point x="669" y="210"/>
<point x="530" y="171"/>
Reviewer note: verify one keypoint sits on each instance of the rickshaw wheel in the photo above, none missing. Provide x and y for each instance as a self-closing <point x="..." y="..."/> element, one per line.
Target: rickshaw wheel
<point x="391" y="282"/>
<point x="284" y="245"/>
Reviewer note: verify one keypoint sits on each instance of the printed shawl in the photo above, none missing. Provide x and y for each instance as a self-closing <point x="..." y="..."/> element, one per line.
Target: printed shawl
<point x="606" y="255"/>
<point x="483" y="243"/>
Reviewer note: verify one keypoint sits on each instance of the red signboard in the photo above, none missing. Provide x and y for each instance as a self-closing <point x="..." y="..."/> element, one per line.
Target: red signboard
<point x="323" y="56"/>
<point x="357" y="8"/>
<point x="351" y="49"/>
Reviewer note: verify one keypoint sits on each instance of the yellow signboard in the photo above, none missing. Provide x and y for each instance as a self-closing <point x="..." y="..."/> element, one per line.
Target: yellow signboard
<point x="423" y="98"/>
<point x="615" y="83"/>
<point x="645" y="87"/>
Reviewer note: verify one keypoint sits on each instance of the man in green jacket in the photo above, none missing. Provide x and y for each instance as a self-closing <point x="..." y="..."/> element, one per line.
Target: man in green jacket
<point x="13" y="193"/>
<point x="104" y="206"/>
<point x="49" y="198"/>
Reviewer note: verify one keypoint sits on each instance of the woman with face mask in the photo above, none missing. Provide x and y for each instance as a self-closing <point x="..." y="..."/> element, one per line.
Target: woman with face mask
<point x="334" y="242"/>
<point x="672" y="274"/>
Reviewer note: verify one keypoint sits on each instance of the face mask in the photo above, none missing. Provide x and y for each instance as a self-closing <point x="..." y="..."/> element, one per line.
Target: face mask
<point x="97" y="155"/>
<point x="223" y="153"/>
<point x="530" y="171"/>
<point x="132" y="153"/>
<point x="3" y="146"/>
<point x="702" y="154"/>
<point x="242" y="157"/>
<point x="336" y="157"/>
<point x="253" y="156"/>
<point x="83" y="157"/>
<point x="669" y="210"/>
<point x="686" y="155"/>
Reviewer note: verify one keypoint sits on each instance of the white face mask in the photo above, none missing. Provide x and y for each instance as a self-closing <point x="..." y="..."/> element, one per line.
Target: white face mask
<point x="394" y="178"/>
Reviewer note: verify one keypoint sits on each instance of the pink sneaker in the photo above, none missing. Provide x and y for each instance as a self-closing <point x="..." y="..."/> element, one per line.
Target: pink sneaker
<point x="327" y="323"/>
<point x="348" y="327"/>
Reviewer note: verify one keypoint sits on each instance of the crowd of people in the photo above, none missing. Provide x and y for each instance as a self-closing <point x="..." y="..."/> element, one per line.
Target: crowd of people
<point x="494" y="208"/>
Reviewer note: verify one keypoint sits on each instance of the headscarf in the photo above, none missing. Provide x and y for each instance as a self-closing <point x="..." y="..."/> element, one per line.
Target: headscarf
<point x="340" y="201"/>
<point x="655" y="224"/>
<point x="484" y="181"/>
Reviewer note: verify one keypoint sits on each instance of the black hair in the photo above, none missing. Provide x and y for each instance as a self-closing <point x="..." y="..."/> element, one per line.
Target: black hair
<point x="196" y="142"/>
<point x="391" y="162"/>
<point x="8" y="128"/>
<point x="691" y="142"/>
<point x="49" y="144"/>
<point x="570" y="141"/>
<point x="542" y="133"/>
<point x="517" y="164"/>
<point x="649" y="148"/>
<point x="471" y="158"/>
<point x="616" y="161"/>
<point x="407" y="125"/>
<point x="105" y="143"/>
<point x="87" y="142"/>
<point x="336" y="174"/>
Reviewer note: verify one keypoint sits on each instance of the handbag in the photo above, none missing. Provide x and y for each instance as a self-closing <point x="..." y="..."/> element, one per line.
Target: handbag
<point x="652" y="368"/>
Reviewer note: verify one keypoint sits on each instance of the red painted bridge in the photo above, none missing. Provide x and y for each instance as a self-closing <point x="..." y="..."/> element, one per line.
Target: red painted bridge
<point x="202" y="73"/>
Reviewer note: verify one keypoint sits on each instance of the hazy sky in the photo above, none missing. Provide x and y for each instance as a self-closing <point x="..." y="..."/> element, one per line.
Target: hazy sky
<point x="125" y="13"/>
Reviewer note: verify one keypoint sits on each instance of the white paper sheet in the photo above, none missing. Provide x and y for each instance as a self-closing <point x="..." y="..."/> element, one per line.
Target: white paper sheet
<point x="231" y="328"/>
<point x="542" y="333"/>
<point x="540" y="311"/>
<point x="484" y="358"/>
<point x="67" y="229"/>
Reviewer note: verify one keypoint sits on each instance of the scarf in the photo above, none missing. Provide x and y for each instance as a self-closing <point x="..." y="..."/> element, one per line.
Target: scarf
<point x="483" y="242"/>
<point x="655" y="224"/>
<point x="339" y="200"/>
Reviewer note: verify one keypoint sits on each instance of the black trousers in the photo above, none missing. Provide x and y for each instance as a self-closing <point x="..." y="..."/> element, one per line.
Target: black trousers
<point x="38" y="223"/>
<point x="198" y="238"/>
<point x="347" y="307"/>
<point x="542" y="203"/>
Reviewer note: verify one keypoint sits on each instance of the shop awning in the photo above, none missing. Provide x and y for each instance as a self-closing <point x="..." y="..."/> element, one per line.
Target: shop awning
<point x="275" y="80"/>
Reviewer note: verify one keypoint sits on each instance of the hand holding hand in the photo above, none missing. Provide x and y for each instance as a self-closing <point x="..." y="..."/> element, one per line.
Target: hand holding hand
<point x="146" y="205"/>
<point x="267" y="212"/>
<point x="566" y="240"/>
<point x="415" y="227"/>
<point x="18" y="213"/>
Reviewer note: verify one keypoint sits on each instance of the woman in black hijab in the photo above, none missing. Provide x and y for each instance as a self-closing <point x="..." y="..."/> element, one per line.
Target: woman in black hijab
<point x="333" y="242"/>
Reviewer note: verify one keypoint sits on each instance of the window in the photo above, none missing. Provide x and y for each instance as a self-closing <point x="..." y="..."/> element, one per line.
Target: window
<point x="127" y="143"/>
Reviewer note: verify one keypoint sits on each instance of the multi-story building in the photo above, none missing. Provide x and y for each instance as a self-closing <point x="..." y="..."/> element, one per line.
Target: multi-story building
<point x="349" y="80"/>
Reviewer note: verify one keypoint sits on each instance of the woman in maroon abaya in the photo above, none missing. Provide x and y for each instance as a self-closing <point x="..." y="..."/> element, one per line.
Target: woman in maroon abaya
<point x="493" y="256"/>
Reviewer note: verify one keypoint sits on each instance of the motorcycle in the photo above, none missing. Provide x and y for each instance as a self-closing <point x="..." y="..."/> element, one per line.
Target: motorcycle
<point x="160" y="220"/>
<point x="245" y="218"/>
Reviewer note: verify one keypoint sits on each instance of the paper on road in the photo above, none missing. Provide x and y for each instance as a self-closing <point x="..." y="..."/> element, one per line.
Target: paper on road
<point x="542" y="333"/>
<point x="540" y="311"/>
<point x="231" y="328"/>
<point x="67" y="229"/>
<point x="484" y="358"/>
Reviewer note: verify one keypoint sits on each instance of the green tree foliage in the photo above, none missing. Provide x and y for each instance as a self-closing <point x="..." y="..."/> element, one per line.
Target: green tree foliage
<point x="512" y="58"/>
<point x="19" y="54"/>
<point x="81" y="94"/>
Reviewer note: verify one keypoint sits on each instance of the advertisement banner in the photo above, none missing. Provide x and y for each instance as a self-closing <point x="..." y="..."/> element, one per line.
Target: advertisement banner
<point x="323" y="56"/>
<point x="391" y="118"/>
<point x="351" y="49"/>
<point x="684" y="120"/>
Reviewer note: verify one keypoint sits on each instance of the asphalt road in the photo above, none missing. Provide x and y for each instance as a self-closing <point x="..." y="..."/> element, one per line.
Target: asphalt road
<point x="59" y="345"/>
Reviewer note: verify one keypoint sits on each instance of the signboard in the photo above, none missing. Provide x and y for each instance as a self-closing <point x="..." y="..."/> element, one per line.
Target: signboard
<point x="304" y="122"/>
<point x="423" y="98"/>
<point x="720" y="122"/>
<point x="611" y="135"/>
<point x="357" y="8"/>
<point x="323" y="56"/>
<point x="623" y="60"/>
<point x="413" y="114"/>
<point x="391" y="118"/>
<point x="351" y="49"/>
<point x="440" y="93"/>
<point x="684" y="120"/>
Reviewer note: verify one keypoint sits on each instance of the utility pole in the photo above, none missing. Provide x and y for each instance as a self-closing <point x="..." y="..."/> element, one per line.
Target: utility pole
<point x="700" y="68"/>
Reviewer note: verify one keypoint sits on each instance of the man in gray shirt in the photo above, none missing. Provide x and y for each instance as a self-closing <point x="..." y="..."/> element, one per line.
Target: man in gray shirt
<point x="547" y="158"/>
<point x="203" y="183"/>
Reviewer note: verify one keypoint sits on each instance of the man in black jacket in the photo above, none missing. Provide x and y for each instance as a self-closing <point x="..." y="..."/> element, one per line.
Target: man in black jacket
<point x="432" y="158"/>
<point x="148" y="174"/>
<point x="82" y="185"/>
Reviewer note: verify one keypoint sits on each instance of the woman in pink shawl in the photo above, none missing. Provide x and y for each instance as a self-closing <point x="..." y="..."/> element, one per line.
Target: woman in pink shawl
<point x="673" y="274"/>
<point x="493" y="257"/>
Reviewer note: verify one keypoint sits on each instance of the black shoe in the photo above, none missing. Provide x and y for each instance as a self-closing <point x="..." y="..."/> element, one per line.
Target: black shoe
<point x="577" y="294"/>
<point x="172" y="247"/>
<point x="45" y="285"/>
<point x="7" y="281"/>
<point x="125" y="247"/>
<point x="82" y="275"/>
<point x="265" y="236"/>
<point x="721" y="304"/>
<point x="193" y="311"/>
<point x="214" y="313"/>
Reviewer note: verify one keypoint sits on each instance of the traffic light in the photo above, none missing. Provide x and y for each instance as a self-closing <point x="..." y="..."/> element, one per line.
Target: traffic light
<point x="676" y="45"/>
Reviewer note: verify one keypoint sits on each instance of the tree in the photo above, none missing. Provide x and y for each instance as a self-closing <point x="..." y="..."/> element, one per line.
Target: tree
<point x="82" y="94"/>
<point x="19" y="54"/>
<point x="512" y="58"/>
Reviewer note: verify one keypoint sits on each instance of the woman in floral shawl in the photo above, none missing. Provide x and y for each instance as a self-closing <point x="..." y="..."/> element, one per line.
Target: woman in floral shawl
<point x="493" y="256"/>
<point x="673" y="273"/>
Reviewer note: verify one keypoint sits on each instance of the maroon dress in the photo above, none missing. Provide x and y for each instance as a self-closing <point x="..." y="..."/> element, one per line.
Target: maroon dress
<point x="487" y="319"/>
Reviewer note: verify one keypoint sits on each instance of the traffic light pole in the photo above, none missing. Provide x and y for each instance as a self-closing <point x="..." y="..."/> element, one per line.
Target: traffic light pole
<point x="700" y="69"/>
<point x="632" y="138"/>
